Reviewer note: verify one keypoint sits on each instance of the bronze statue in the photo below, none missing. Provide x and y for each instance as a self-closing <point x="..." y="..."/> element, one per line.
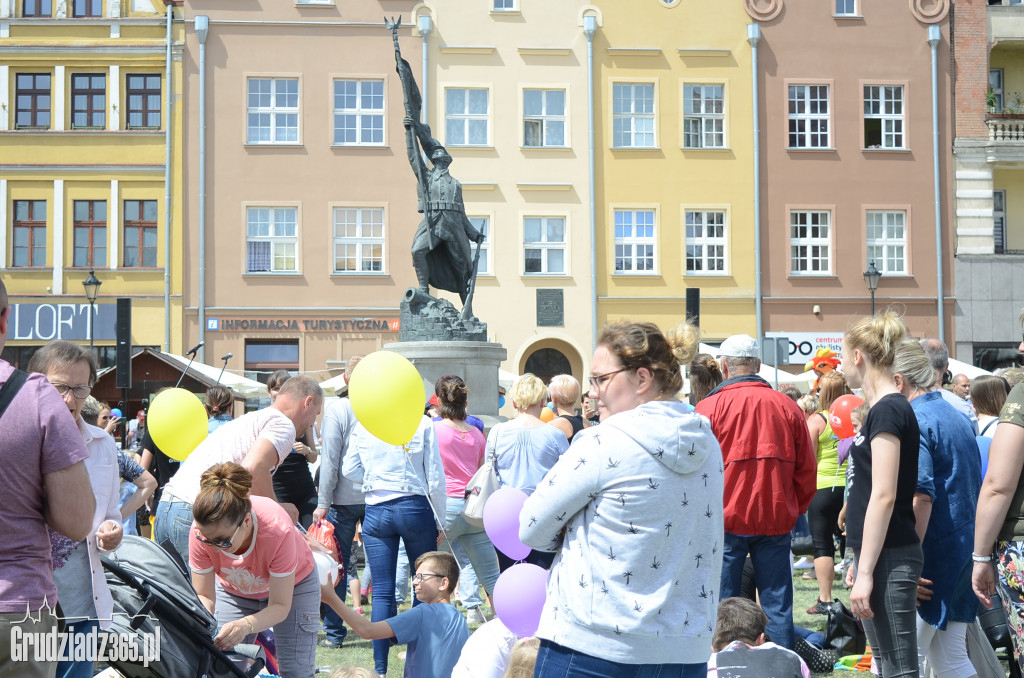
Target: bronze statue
<point x="441" y="251"/>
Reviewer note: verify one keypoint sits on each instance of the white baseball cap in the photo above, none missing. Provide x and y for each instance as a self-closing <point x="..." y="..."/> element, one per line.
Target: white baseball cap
<point x="739" y="346"/>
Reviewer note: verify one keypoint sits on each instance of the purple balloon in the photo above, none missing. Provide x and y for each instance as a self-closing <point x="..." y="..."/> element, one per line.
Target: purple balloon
<point x="501" y="522"/>
<point x="519" y="597"/>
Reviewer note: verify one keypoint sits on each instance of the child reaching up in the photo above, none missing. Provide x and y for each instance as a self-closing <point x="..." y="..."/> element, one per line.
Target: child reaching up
<point x="740" y="650"/>
<point x="434" y="631"/>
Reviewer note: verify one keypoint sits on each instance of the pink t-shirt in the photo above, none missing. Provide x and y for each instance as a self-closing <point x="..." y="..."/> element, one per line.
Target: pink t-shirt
<point x="461" y="452"/>
<point x="39" y="436"/>
<point x="277" y="550"/>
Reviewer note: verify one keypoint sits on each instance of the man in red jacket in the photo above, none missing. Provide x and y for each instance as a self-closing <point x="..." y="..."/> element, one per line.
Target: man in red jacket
<point x="769" y="471"/>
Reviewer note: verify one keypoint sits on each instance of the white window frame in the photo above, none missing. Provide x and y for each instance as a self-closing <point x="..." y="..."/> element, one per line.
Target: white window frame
<point x="635" y="120"/>
<point x="846" y="8"/>
<point x="703" y="118"/>
<point x="699" y="216"/>
<point x="465" y="118"/>
<point x="504" y="5"/>
<point x="882" y="250"/>
<point x="880" y="102"/>
<point x="810" y="123"/>
<point x="545" y="117"/>
<point x="363" y="116"/>
<point x="273" y="111"/>
<point x="997" y="83"/>
<point x="796" y="241"/>
<point x="545" y="246"/>
<point x="633" y="242"/>
<point x="364" y="218"/>
<point x="484" y="223"/>
<point x="275" y="212"/>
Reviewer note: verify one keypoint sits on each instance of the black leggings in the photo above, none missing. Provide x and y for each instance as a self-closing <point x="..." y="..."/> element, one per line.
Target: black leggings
<point x="822" y="516"/>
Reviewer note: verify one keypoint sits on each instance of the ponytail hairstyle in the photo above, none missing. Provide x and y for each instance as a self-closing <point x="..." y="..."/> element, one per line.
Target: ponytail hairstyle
<point x="452" y="397"/>
<point x="223" y="495"/>
<point x="831" y="386"/>
<point x="639" y="345"/>
<point x="219" y="399"/>
<point x="877" y="338"/>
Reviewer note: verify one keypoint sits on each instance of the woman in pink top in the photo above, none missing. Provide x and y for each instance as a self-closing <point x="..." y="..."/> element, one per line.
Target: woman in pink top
<point x="462" y="453"/>
<point x="253" y="570"/>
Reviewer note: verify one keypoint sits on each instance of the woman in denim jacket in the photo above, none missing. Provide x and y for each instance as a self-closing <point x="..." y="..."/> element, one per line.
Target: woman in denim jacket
<point x="405" y="500"/>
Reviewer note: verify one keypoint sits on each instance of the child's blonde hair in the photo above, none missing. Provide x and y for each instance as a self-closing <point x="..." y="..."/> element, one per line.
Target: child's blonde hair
<point x="523" y="658"/>
<point x="352" y="672"/>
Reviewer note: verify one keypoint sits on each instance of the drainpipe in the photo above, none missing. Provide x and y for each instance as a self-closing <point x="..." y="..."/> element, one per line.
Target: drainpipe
<point x="202" y="26"/>
<point x="934" y="38"/>
<point x="424" y="25"/>
<point x="167" y="187"/>
<point x="753" y="36"/>
<point x="589" y="28"/>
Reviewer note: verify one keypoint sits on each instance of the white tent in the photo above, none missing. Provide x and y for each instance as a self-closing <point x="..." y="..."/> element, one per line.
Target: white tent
<point x="334" y="385"/>
<point x="767" y="372"/>
<point x="958" y="367"/>
<point x="239" y="384"/>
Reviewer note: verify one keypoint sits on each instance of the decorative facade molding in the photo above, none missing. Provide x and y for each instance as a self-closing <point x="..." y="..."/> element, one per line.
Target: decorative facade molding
<point x="763" y="10"/>
<point x="929" y="11"/>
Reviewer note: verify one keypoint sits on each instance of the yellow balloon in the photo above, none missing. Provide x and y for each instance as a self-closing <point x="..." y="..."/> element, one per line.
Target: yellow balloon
<point x="177" y="421"/>
<point x="387" y="396"/>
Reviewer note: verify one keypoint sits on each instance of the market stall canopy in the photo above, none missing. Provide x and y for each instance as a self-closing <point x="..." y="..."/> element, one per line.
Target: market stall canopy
<point x="958" y="367"/>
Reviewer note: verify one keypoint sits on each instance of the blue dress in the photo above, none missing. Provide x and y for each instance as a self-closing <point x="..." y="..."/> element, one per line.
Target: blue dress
<point x="949" y="471"/>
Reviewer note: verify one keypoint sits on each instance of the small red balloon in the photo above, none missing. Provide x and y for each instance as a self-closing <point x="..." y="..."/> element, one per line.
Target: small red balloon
<point x="840" y="415"/>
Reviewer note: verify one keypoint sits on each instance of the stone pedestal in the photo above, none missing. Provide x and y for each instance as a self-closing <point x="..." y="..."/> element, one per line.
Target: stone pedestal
<point x="475" y="361"/>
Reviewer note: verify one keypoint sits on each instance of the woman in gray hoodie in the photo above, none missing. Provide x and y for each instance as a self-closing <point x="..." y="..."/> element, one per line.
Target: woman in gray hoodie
<point x="634" y="510"/>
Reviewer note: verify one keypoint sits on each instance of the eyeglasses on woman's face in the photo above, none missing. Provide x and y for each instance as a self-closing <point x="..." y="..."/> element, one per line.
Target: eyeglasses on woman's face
<point x="599" y="380"/>
<point x="222" y="544"/>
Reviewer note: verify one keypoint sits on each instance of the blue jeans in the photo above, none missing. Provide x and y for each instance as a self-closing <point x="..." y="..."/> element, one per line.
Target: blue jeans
<point x="469" y="585"/>
<point x="344" y="519"/>
<point x="892" y="632"/>
<point x="474" y="540"/>
<point x="174" y="522"/>
<point x="410" y="519"/>
<point x="555" y="661"/>
<point x="81" y="669"/>
<point x="772" y="577"/>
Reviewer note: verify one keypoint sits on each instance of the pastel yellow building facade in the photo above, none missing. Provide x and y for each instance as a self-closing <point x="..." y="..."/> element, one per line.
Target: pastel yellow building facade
<point x="675" y="177"/>
<point x="84" y="151"/>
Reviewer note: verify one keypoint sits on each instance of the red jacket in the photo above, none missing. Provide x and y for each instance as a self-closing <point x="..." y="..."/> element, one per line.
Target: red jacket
<point x="770" y="469"/>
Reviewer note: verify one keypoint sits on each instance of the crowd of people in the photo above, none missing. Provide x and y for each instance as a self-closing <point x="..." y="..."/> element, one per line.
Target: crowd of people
<point x="647" y="510"/>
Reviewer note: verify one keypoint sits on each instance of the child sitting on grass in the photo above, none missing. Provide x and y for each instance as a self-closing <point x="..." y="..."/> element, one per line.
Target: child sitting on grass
<point x="740" y="650"/>
<point x="435" y="631"/>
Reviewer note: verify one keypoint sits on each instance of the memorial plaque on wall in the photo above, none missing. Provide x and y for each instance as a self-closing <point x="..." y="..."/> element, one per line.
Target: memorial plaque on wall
<point x="550" y="308"/>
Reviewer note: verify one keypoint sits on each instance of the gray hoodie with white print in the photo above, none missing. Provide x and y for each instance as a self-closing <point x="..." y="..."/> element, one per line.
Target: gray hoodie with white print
<point x="637" y="576"/>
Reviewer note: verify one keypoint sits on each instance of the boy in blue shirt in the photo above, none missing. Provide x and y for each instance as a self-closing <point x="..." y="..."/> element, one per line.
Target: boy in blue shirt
<point x="434" y="630"/>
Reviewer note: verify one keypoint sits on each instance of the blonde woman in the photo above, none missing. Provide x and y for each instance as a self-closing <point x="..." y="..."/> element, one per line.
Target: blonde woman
<point x="565" y="395"/>
<point x="526" y="448"/>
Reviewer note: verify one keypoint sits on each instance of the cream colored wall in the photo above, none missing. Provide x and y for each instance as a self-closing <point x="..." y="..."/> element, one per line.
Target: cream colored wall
<point x="1012" y="181"/>
<point x="669" y="178"/>
<point x="506" y="300"/>
<point x="1008" y="57"/>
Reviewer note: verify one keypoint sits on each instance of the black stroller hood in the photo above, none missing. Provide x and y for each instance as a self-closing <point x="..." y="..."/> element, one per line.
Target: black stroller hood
<point x="152" y="594"/>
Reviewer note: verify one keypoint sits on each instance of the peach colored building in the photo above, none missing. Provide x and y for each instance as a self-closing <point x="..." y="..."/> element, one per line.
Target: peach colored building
<point x="848" y="171"/>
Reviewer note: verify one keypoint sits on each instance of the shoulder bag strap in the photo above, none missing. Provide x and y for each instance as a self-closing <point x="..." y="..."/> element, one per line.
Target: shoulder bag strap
<point x="990" y="422"/>
<point x="10" y="389"/>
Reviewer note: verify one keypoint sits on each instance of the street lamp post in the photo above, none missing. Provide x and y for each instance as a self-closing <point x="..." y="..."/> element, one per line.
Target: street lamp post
<point x="871" y="277"/>
<point x="92" y="287"/>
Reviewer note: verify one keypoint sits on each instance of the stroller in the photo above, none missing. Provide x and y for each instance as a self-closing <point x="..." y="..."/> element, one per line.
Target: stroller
<point x="151" y="590"/>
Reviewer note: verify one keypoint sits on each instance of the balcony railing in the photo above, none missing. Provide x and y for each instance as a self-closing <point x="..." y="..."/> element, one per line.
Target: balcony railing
<point x="1005" y="129"/>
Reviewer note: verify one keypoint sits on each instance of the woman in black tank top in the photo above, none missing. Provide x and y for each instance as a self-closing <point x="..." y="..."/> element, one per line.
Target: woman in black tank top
<point x="565" y="394"/>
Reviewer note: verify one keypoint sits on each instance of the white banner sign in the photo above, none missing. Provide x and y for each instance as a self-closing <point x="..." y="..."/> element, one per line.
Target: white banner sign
<point x="802" y="345"/>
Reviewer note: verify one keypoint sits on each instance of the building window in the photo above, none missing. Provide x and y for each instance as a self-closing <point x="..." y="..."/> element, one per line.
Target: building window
<point x="265" y="356"/>
<point x="808" y="116"/>
<point x="883" y="116"/>
<point x="143" y="98"/>
<point x="140" y="233"/>
<point x="483" y="224"/>
<point x="634" y="241"/>
<point x="810" y="242"/>
<point x="999" y="220"/>
<point x="87" y="8"/>
<point x="543" y="117"/>
<point x="273" y="111"/>
<point x="272" y="240"/>
<point x="632" y="115"/>
<point x="90" y="233"/>
<point x="846" y="8"/>
<point x="88" y="100"/>
<point x="43" y="8"/>
<point x="466" y="116"/>
<point x="704" y="116"/>
<point x="32" y="97"/>
<point x="995" y="88"/>
<point x="359" y="112"/>
<point x="29" y="233"/>
<point x="504" y="5"/>
<point x="358" y="240"/>
<point x="705" y="241"/>
<point x="886" y="240"/>
<point x="544" y="245"/>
